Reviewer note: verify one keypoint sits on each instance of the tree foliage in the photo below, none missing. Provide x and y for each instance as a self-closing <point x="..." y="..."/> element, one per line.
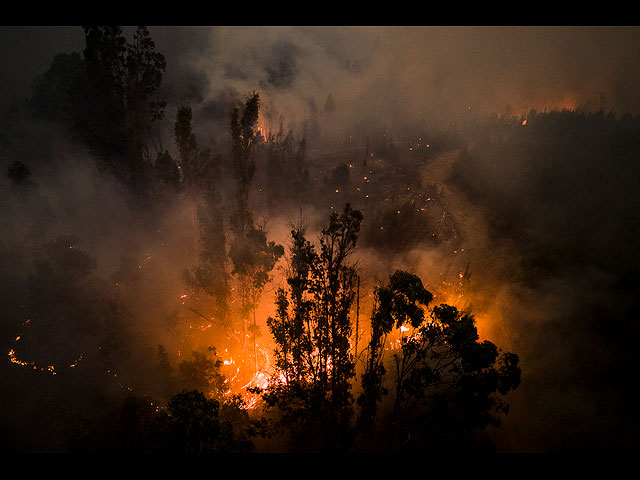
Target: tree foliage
<point x="445" y="384"/>
<point x="286" y="169"/>
<point x="58" y="91"/>
<point x="243" y="141"/>
<point x="253" y="258"/>
<point x="312" y="328"/>
<point x="437" y="387"/>
<point x="439" y="383"/>
<point x="200" y="175"/>
<point x="396" y="304"/>
<point x="187" y="145"/>
<point x="110" y="97"/>
<point x="192" y="423"/>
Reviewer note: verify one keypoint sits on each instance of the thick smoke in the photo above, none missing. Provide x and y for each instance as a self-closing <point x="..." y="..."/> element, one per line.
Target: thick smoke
<point x="344" y="83"/>
<point x="397" y="76"/>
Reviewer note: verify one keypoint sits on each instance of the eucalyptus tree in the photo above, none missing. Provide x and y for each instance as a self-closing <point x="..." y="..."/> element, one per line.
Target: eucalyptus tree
<point x="312" y="328"/>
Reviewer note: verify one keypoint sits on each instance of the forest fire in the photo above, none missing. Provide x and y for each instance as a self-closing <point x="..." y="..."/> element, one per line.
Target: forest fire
<point x="34" y="366"/>
<point x="308" y="240"/>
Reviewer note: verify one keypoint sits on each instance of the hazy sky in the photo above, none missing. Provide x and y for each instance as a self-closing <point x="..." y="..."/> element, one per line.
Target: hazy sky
<point x="399" y="73"/>
<point x="382" y="71"/>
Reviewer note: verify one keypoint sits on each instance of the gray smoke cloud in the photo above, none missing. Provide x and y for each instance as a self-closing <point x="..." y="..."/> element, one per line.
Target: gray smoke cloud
<point x="401" y="75"/>
<point x="390" y="75"/>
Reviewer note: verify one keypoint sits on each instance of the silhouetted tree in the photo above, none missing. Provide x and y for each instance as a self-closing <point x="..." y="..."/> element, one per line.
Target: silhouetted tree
<point x="286" y="172"/>
<point x="120" y="103"/>
<point x="145" y="68"/>
<point x="340" y="176"/>
<point x="200" y="416"/>
<point x="201" y="373"/>
<point x="200" y="174"/>
<point x="187" y="145"/>
<point x="110" y="97"/>
<point x="210" y="275"/>
<point x="167" y="172"/>
<point x="312" y="328"/>
<point x="58" y="92"/>
<point x="445" y="385"/>
<point x="194" y="425"/>
<point x="141" y="428"/>
<point x="395" y="304"/>
<point x="253" y="258"/>
<point x="165" y="372"/>
<point x="191" y="423"/>
<point x="62" y="293"/>
<point x="243" y="140"/>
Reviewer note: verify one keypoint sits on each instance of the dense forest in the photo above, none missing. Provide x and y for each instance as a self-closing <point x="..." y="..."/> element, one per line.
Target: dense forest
<point x="470" y="288"/>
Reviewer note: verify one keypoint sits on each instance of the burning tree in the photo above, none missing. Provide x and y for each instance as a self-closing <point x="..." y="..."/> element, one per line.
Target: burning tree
<point x="395" y="304"/>
<point x="445" y="384"/>
<point x="312" y="329"/>
<point x="253" y="257"/>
